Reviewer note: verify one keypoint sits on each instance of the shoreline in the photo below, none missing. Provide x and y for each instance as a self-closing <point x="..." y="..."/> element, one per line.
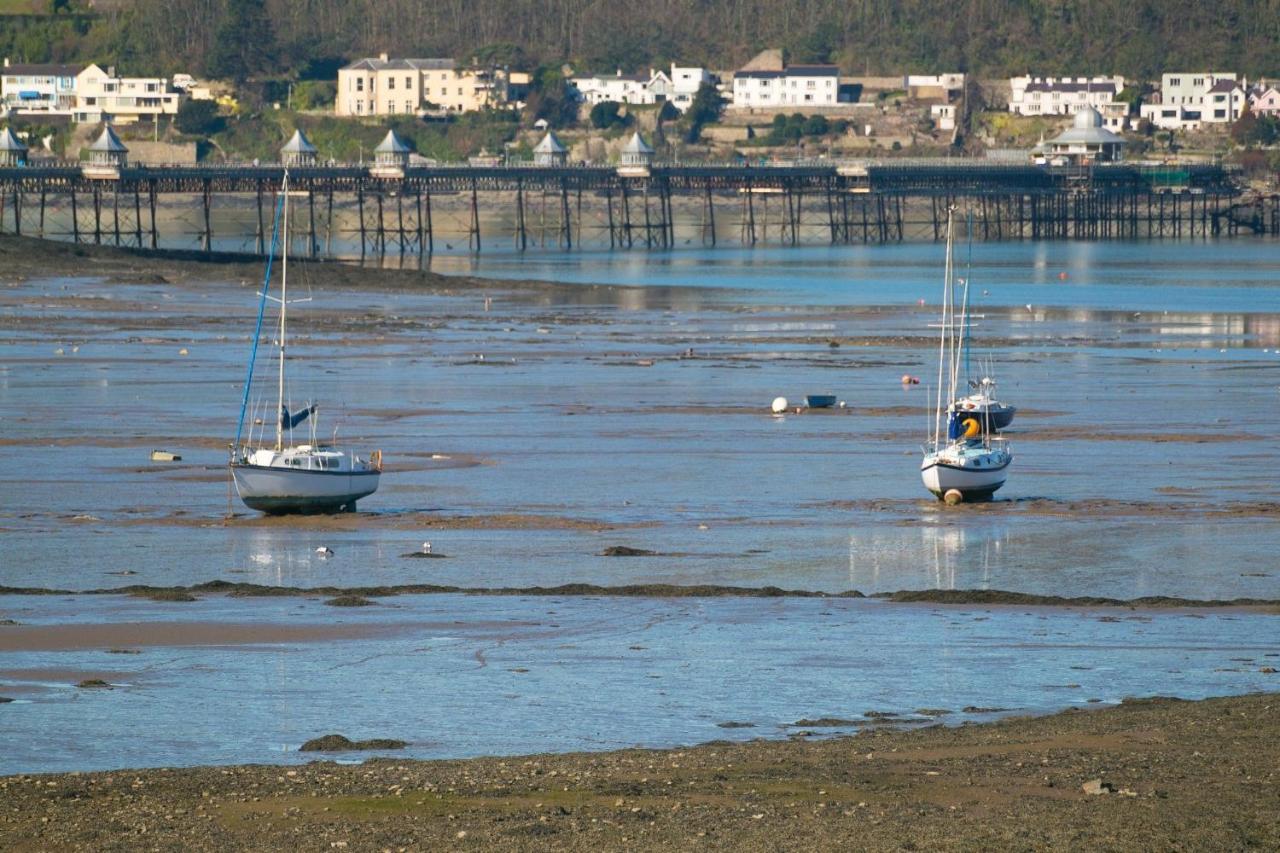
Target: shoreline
<point x="1171" y="774"/>
<point x="941" y="597"/>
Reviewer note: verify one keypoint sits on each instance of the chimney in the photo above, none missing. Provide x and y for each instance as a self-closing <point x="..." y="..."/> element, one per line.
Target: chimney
<point x="383" y="57"/>
<point x="6" y="62"/>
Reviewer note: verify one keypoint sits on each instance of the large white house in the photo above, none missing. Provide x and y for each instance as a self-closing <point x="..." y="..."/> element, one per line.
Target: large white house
<point x="623" y="88"/>
<point x="103" y="96"/>
<point x="1190" y="99"/>
<point x="794" y="85"/>
<point x="382" y="85"/>
<point x="38" y="88"/>
<point x="1060" y="96"/>
<point x="685" y="83"/>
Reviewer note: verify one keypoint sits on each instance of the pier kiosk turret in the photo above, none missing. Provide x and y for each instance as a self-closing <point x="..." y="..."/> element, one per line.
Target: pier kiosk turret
<point x="107" y="156"/>
<point x="298" y="151"/>
<point x="12" y="151"/>
<point x="637" y="157"/>
<point x="550" y="152"/>
<point x="391" y="157"/>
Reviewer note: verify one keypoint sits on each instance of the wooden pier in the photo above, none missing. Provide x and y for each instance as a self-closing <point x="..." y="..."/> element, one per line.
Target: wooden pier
<point x="354" y="210"/>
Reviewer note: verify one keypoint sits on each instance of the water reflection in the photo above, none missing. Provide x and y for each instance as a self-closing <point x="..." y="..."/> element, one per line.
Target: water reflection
<point x="927" y="557"/>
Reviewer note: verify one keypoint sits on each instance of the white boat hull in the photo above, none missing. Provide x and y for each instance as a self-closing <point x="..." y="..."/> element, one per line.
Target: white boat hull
<point x="974" y="476"/>
<point x="273" y="489"/>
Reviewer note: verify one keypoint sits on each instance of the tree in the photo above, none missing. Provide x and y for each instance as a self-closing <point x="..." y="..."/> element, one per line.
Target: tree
<point x="607" y="115"/>
<point x="816" y="125"/>
<point x="199" y="118"/>
<point x="706" y="108"/>
<point x="552" y="98"/>
<point x="244" y="43"/>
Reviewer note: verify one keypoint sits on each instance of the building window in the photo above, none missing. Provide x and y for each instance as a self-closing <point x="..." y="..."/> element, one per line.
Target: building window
<point x="408" y="82"/>
<point x="1175" y="81"/>
<point x="391" y="82"/>
<point x="359" y="107"/>
<point x="359" y="84"/>
<point x="1197" y="81"/>
<point x="391" y="107"/>
<point x="408" y="106"/>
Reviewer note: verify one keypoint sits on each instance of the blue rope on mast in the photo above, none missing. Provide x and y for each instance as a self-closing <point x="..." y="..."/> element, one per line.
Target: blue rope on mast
<point x="262" y="305"/>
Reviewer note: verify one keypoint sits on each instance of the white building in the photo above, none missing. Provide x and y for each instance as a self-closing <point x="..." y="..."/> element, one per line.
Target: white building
<point x="946" y="85"/>
<point x="38" y="89"/>
<point x="795" y="85"/>
<point x="1038" y="96"/>
<point x="102" y="96"/>
<point x="944" y="116"/>
<point x="637" y="89"/>
<point x="685" y="83"/>
<point x="1188" y="100"/>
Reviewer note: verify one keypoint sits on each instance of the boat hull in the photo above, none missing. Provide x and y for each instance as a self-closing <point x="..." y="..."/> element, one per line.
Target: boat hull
<point x="972" y="484"/>
<point x="278" y="491"/>
<point x="997" y="417"/>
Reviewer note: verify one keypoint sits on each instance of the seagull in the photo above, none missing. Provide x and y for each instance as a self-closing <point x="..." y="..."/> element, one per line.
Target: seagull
<point x="1029" y="306"/>
<point x="426" y="547"/>
<point x="324" y="551"/>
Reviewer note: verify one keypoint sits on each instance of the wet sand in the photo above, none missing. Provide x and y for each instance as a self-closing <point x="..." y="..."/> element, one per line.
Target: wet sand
<point x="1171" y="775"/>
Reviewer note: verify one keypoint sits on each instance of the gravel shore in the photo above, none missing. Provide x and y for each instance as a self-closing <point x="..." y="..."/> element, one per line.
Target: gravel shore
<point x="1171" y="775"/>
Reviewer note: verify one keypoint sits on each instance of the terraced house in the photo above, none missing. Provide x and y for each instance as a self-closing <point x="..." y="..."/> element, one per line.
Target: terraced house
<point x="376" y="86"/>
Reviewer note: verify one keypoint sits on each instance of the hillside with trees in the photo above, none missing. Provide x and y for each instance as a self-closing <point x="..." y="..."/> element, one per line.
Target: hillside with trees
<point x="309" y="38"/>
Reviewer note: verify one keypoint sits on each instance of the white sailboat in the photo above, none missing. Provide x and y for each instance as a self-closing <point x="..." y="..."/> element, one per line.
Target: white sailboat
<point x="964" y="460"/>
<point x="301" y="478"/>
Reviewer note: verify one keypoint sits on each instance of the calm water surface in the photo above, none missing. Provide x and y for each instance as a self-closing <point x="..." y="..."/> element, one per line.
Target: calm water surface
<point x="1147" y="377"/>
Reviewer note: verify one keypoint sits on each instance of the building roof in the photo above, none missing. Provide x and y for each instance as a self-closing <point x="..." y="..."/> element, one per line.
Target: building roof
<point x="1072" y="86"/>
<point x="1087" y="129"/>
<point x="550" y="145"/>
<point x="789" y="71"/>
<point x="108" y="141"/>
<point x="42" y="70"/>
<point x="765" y="60"/>
<point x="637" y="145"/>
<point x="1224" y="86"/>
<point x="9" y="142"/>
<point x="377" y="63"/>
<point x="392" y="144"/>
<point x="298" y="144"/>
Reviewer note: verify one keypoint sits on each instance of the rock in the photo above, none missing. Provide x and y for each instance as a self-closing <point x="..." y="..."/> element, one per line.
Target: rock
<point x="5" y="700"/>
<point x="1269" y="670"/>
<point x="423" y="555"/>
<point x="733" y="724"/>
<point x="879" y="715"/>
<point x="978" y="709"/>
<point x="825" y="722"/>
<point x="165" y="595"/>
<point x="625" y="551"/>
<point x="93" y="682"/>
<point x="932" y="712"/>
<point x="350" y="601"/>
<point x="339" y="743"/>
<point x="1097" y="786"/>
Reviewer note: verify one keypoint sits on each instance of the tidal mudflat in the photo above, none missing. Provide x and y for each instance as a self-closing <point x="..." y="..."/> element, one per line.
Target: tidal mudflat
<point x="533" y="431"/>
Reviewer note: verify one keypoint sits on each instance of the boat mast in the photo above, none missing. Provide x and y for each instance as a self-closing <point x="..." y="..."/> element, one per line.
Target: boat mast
<point x="284" y="301"/>
<point x="942" y="340"/>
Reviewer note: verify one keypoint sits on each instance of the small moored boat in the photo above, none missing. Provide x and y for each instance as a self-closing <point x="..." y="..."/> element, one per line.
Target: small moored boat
<point x="289" y="478"/>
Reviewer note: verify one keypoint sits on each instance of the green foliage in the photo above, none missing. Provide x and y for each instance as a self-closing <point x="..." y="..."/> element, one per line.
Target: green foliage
<point x="816" y="125"/>
<point x="1252" y="131"/>
<point x="607" y="115"/>
<point x="552" y="98"/>
<point x="244" y="42"/>
<point x="198" y="118"/>
<point x="314" y="94"/>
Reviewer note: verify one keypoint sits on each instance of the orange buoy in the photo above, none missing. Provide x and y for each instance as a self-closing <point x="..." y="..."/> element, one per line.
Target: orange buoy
<point x="1062" y="276"/>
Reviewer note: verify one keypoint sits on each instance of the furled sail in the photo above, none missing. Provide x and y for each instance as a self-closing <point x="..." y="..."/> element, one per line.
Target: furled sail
<point x="289" y="421"/>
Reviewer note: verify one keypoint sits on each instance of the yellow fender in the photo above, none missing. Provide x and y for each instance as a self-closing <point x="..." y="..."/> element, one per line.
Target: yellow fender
<point x="971" y="427"/>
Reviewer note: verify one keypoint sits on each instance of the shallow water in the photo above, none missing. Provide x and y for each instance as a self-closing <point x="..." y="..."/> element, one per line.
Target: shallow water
<point x="464" y="675"/>
<point x="1147" y="383"/>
